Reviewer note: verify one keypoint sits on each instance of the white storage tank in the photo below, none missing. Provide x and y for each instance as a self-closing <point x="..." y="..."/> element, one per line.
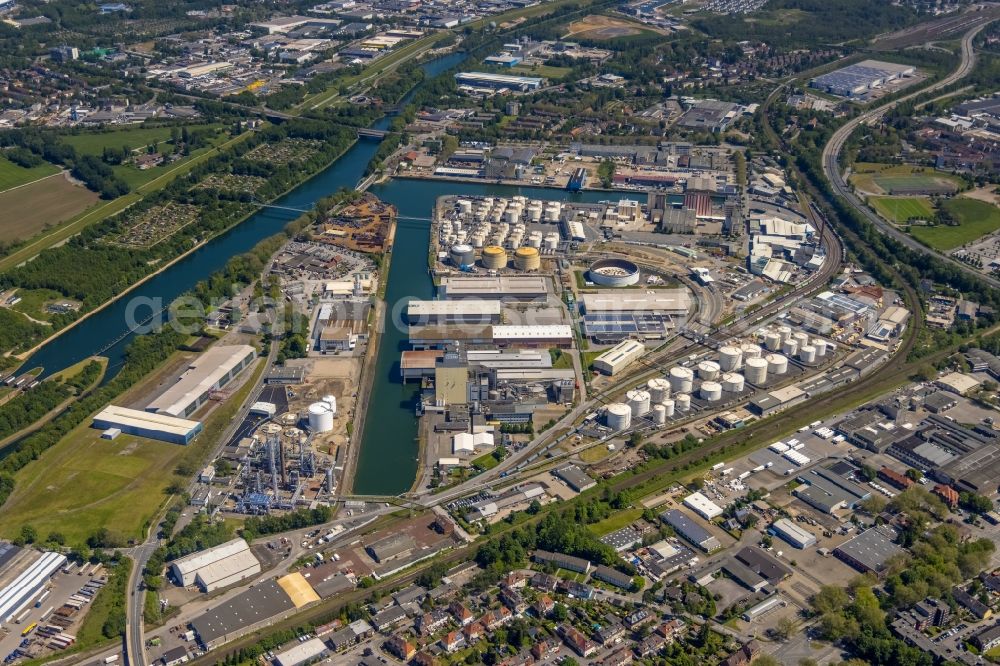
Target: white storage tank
<point x="668" y="406"/>
<point x="638" y="401"/>
<point x="820" y="345"/>
<point x="320" y="417"/>
<point x="807" y="354"/>
<point x="801" y="338"/>
<point x="551" y="241"/>
<point x="681" y="379"/>
<point x="772" y="340"/>
<point x="464" y="206"/>
<point x="790" y="347"/>
<point x="708" y="370"/>
<point x="711" y="391"/>
<point x="659" y="389"/>
<point x="730" y="358"/>
<point x="777" y="364"/>
<point x="785" y="332"/>
<point x="659" y="414"/>
<point x="463" y="255"/>
<point x="755" y="370"/>
<point x="683" y="402"/>
<point x="618" y="416"/>
<point x="732" y="382"/>
<point x="750" y="350"/>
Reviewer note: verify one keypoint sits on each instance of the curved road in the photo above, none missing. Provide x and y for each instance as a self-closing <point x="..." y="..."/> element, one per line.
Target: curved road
<point x="833" y="148"/>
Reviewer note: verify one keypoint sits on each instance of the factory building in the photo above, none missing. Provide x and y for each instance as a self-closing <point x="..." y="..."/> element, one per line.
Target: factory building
<point x="468" y="311"/>
<point x="792" y="533"/>
<point x="514" y="288"/>
<point x="575" y="478"/>
<point x="214" y="568"/>
<point x="673" y="302"/>
<point x="257" y="607"/>
<point x="857" y="79"/>
<point x="690" y="530"/>
<point x="498" y="81"/>
<point x="703" y="506"/>
<point x="143" y="424"/>
<point x="829" y="491"/>
<point x="869" y="551"/>
<point x="210" y="371"/>
<point x="619" y="357"/>
<point x="311" y="650"/>
<point x="22" y="590"/>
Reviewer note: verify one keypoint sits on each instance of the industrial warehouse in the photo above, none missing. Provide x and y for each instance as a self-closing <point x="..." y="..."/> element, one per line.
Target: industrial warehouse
<point x="115" y="420"/>
<point x="217" y="567"/>
<point x="210" y="371"/>
<point x="857" y="79"/>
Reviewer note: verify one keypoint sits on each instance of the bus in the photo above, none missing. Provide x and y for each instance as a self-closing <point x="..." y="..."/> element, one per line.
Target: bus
<point x="29" y="629"/>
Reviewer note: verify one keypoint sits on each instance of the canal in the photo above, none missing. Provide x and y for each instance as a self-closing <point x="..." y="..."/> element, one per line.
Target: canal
<point x="388" y="459"/>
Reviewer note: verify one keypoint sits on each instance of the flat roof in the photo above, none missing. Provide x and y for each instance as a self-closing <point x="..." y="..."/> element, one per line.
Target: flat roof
<point x="872" y="548"/>
<point x="494" y="287"/>
<point x="669" y="300"/>
<point x="689" y="529"/>
<point x="259" y="603"/>
<point x="547" y="332"/>
<point x="136" y="418"/>
<point x="574" y="476"/>
<point x="790" y="530"/>
<point x="464" y="307"/>
<point x="202" y="374"/>
<point x="702" y="505"/>
<point x="500" y="78"/>
<point x="204" y="558"/>
<point x="421" y="358"/>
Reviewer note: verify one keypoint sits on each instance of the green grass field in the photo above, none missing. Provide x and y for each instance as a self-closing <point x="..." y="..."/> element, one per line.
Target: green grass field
<point x="976" y="219"/>
<point x="485" y="462"/>
<point x="901" y="209"/>
<point x="12" y="175"/>
<point x="617" y="521"/>
<point x="94" y="143"/>
<point x="883" y="178"/>
<point x="546" y="71"/>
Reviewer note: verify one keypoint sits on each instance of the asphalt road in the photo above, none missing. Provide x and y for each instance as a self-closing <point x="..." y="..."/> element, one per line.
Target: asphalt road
<point x="833" y="148"/>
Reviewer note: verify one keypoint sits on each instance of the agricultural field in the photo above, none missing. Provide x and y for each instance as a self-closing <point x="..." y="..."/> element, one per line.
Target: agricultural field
<point x="13" y="175"/>
<point x="33" y="208"/>
<point x="901" y="179"/>
<point x="150" y="227"/>
<point x="599" y="27"/>
<point x="901" y="209"/>
<point x="976" y="219"/>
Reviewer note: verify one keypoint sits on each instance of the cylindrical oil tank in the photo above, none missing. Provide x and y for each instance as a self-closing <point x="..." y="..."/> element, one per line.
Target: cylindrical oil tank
<point x="772" y="340"/>
<point x="801" y="338"/>
<point x="618" y="416"/>
<point x="785" y="332"/>
<point x="750" y="350"/>
<point x="681" y="379"/>
<point x="777" y="364"/>
<point x="535" y="213"/>
<point x="551" y="241"/>
<point x="659" y="414"/>
<point x="527" y="259"/>
<point x="755" y="370"/>
<point x="807" y="354"/>
<point x="683" y="402"/>
<point x="729" y="358"/>
<point x="659" y="389"/>
<point x="494" y="257"/>
<point x="820" y="345"/>
<point x="708" y="370"/>
<point x="668" y="407"/>
<point x="711" y="391"/>
<point x="732" y="382"/>
<point x="464" y="206"/>
<point x="463" y="255"/>
<point x="790" y="347"/>
<point x="510" y="215"/>
<point x="320" y="417"/>
<point x="638" y="401"/>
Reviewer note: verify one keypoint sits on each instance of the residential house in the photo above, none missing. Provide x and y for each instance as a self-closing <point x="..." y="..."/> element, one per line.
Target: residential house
<point x="461" y="614"/>
<point x="400" y="647"/>
<point x="453" y="641"/>
<point x="577" y="642"/>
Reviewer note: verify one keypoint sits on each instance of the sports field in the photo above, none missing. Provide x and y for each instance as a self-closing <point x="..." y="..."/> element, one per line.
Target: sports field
<point x="29" y="209"/>
<point x="976" y="219"/>
<point x="901" y="209"/>
<point x="12" y="175"/>
<point x="901" y="179"/>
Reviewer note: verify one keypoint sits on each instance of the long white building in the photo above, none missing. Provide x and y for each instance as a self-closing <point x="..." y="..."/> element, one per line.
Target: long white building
<point x="218" y="567"/>
<point x="22" y="590"/>
<point x="209" y="372"/>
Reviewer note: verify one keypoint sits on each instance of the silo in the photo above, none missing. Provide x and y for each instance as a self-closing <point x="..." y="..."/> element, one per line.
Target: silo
<point x="732" y="382"/>
<point x="320" y="417"/>
<point x="659" y="389"/>
<point x="711" y="391"/>
<point x="527" y="259"/>
<point x="729" y="358"/>
<point x="820" y="345"/>
<point x="807" y="354"/>
<point x="681" y="379"/>
<point x="789" y="347"/>
<point x="638" y="401"/>
<point x="659" y="414"/>
<point x="750" y="350"/>
<point x="683" y="402"/>
<point x="772" y="340"/>
<point x="462" y="255"/>
<point x="494" y="257"/>
<point x="785" y="332"/>
<point x="708" y="370"/>
<point x="776" y="364"/>
<point x="618" y="416"/>
<point x="755" y="370"/>
<point x="668" y="406"/>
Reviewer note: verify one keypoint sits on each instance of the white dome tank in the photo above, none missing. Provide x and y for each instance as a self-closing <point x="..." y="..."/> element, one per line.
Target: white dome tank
<point x="820" y="345"/>
<point x="777" y="364"/>
<point x="732" y="382"/>
<point x="683" y="402"/>
<point x="320" y="417"/>
<point x="659" y="414"/>
<point x="730" y="358"/>
<point x="755" y="370"/>
<point x="681" y="379"/>
<point x="772" y="341"/>
<point x="638" y="401"/>
<point x="659" y="389"/>
<point x="807" y="354"/>
<point x="790" y="347"/>
<point x="711" y="391"/>
<point x="750" y="350"/>
<point x="618" y="416"/>
<point x="785" y="332"/>
<point x="708" y="370"/>
<point x="668" y="406"/>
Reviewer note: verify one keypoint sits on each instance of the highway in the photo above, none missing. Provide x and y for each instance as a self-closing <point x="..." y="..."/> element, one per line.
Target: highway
<point x="833" y="148"/>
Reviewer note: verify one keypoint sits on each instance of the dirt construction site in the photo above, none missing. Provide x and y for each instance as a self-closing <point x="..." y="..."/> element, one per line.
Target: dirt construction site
<point x="596" y="26"/>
